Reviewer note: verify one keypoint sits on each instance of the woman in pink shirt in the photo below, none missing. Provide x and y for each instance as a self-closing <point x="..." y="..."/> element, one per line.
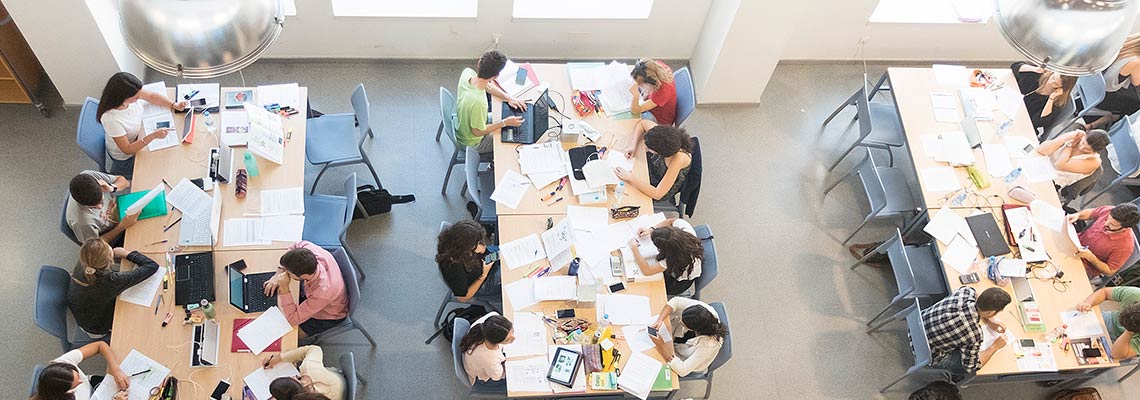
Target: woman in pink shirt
<point x="482" y="349"/>
<point x="323" y="298"/>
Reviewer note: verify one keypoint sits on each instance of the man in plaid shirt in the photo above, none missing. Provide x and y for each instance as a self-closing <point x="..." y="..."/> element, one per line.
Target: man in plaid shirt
<point x="954" y="331"/>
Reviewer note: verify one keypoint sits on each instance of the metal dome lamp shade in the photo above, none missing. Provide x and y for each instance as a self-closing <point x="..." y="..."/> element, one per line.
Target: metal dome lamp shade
<point x="200" y="38"/>
<point x="1072" y="37"/>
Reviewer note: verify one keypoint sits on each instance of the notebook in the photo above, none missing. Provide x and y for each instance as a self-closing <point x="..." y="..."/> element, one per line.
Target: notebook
<point x="237" y="346"/>
<point x="156" y="207"/>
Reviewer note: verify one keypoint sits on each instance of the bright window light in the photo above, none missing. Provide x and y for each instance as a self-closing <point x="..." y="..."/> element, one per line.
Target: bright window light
<point x="290" y="7"/>
<point x="583" y="9"/>
<point x="933" y="11"/>
<point x="406" y="8"/>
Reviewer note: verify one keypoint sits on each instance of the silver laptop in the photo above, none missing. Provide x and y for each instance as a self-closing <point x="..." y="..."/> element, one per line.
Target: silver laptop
<point x="204" y="344"/>
<point x="222" y="164"/>
<point x="201" y="230"/>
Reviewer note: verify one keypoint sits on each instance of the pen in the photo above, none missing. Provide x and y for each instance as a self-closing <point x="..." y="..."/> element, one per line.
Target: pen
<point x="164" y="182"/>
<point x="544" y="272"/>
<point x="165" y="283"/>
<point x="156" y="305"/>
<point x="191" y="95"/>
<point x="167" y="228"/>
<point x="555" y="201"/>
<point x="266" y="363"/>
<point x="160" y="241"/>
<point x="140" y="372"/>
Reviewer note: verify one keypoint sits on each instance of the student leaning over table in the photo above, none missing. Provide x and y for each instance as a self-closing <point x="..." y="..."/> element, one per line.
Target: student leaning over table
<point x="695" y="332"/>
<point x="1124" y="325"/>
<point x="323" y="298"/>
<point x="62" y="379"/>
<point x="953" y="328"/>
<point x="679" y="254"/>
<point x="1108" y="242"/>
<point x="459" y="255"/>
<point x="660" y="106"/>
<point x="670" y="157"/>
<point x="314" y="378"/>
<point x="1075" y="155"/>
<point x="91" y="212"/>
<point x="482" y="349"/>
<point x="94" y="286"/>
<point x="471" y="103"/>
<point x="121" y="116"/>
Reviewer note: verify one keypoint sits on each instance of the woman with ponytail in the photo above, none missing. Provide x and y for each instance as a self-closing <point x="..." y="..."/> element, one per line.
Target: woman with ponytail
<point x="482" y="349"/>
<point x="95" y="286"/>
<point x="696" y="331"/>
<point x="678" y="254"/>
<point x="655" y="79"/>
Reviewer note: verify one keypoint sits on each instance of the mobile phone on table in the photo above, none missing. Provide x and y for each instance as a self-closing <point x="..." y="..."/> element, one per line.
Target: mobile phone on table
<point x="652" y="331"/>
<point x="969" y="278"/>
<point x="616" y="267"/>
<point x="220" y="390"/>
<point x="520" y="76"/>
<point x="567" y="313"/>
<point x="617" y="287"/>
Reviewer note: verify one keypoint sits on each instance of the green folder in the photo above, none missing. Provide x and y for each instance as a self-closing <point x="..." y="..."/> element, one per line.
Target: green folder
<point x="664" y="379"/>
<point x="157" y="206"/>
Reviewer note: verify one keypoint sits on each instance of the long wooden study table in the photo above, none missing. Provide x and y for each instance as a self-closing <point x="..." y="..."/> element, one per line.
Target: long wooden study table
<point x="139" y="328"/>
<point x="531" y="215"/>
<point x="911" y="89"/>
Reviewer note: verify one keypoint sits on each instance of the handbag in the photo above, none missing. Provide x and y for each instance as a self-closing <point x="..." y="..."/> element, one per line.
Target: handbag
<point x="625" y="212"/>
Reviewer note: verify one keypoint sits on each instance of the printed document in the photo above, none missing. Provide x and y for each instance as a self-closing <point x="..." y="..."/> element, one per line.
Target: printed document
<point x="266" y="329"/>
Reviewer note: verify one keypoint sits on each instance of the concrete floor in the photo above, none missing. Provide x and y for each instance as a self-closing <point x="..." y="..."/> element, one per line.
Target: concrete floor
<point x="797" y="312"/>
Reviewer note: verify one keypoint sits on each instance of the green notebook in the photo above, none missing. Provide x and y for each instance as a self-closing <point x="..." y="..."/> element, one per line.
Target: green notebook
<point x="157" y="206"/>
<point x="664" y="379"/>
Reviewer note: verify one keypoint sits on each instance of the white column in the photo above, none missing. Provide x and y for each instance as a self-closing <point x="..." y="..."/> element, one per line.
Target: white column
<point x="739" y="47"/>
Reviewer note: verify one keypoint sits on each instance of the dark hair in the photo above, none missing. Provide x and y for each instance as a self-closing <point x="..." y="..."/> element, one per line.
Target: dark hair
<point x="490" y="63"/>
<point x="299" y="261"/>
<point x="1097" y="139"/>
<point x="1129" y="318"/>
<point x="678" y="248"/>
<point x="494" y="330"/>
<point x="1126" y="214"/>
<point x="119" y="88"/>
<point x="939" y="390"/>
<point x="54" y="382"/>
<point x="992" y="299"/>
<point x="700" y="320"/>
<point x="456" y="245"/>
<point x="667" y="140"/>
<point x="310" y="396"/>
<point x="285" y="388"/>
<point x="85" y="190"/>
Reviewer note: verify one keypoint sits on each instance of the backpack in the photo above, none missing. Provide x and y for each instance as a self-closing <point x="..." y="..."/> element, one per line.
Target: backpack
<point x="469" y="313"/>
<point x="377" y="201"/>
<point x="1078" y="394"/>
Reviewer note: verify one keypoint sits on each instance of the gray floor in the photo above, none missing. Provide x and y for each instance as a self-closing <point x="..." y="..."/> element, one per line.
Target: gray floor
<point x="797" y="312"/>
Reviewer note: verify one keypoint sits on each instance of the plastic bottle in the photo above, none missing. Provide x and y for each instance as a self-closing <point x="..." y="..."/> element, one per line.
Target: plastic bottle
<point x="208" y="309"/>
<point x="1056" y="333"/>
<point x="619" y="192"/>
<point x="250" y="164"/>
<point x="209" y="120"/>
<point x="1013" y="175"/>
<point x="602" y="325"/>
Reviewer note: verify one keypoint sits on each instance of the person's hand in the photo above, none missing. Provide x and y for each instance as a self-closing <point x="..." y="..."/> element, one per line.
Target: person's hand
<point x="1086" y="254"/>
<point x="633" y="243"/>
<point x="644" y="232"/>
<point x="121" y="395"/>
<point x="517" y="104"/>
<point x="271" y="361"/>
<point x="1056" y="94"/>
<point x="120" y="252"/>
<point x="272" y="285"/>
<point x="995" y="325"/>
<point x="121" y="378"/>
<point x="622" y="174"/>
<point x="487" y="268"/>
<point x="1084" y="307"/>
<point x="999" y="342"/>
<point x="1072" y="218"/>
<point x="160" y="133"/>
<point x="179" y="106"/>
<point x="130" y="220"/>
<point x="633" y="90"/>
<point x="513" y="121"/>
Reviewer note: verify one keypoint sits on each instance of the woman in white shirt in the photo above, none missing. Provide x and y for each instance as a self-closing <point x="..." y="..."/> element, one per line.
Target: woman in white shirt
<point x="691" y="339"/>
<point x="121" y="116"/>
<point x="1075" y="155"/>
<point x="62" y="379"/>
<point x="679" y="254"/>
<point x="482" y="349"/>
<point x="315" y="377"/>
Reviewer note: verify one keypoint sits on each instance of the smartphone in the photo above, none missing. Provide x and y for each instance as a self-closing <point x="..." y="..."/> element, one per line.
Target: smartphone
<point x="220" y="390"/>
<point x="1090" y="352"/>
<point x="520" y="76"/>
<point x="617" y="287"/>
<point x="1026" y="343"/>
<point x="567" y="313"/>
<point x="238" y="265"/>
<point x="968" y="279"/>
<point x="652" y="331"/>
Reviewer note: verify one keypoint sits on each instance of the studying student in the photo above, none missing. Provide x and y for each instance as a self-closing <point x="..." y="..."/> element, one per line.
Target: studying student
<point x="669" y="159"/>
<point x="62" y="379"/>
<point x="1043" y="92"/>
<point x="1108" y="241"/>
<point x="656" y="80"/>
<point x="91" y="211"/>
<point x="1124" y="325"/>
<point x="679" y="254"/>
<point x="94" y="287"/>
<point x="471" y="103"/>
<point x="694" y="333"/>
<point x="459" y="254"/>
<point x="953" y="328"/>
<point x="121" y="116"/>
<point x="323" y="297"/>
<point x="1075" y="155"/>
<point x="314" y="378"/>
<point x="483" y="355"/>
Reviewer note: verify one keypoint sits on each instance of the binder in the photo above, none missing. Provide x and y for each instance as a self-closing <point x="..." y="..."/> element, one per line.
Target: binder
<point x="156" y="207"/>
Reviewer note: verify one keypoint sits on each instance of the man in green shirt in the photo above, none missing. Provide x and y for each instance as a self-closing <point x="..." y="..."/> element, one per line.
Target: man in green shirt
<point x="1124" y="325"/>
<point x="471" y="103"/>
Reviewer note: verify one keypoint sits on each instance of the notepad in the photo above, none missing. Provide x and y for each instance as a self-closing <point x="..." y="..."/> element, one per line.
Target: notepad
<point x="143" y="292"/>
<point x="639" y="375"/>
<point x="154" y="208"/>
<point x="135" y="362"/>
<point x="189" y="199"/>
<point x="258" y="381"/>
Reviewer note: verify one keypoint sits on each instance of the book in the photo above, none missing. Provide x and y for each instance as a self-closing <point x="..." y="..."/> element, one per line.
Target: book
<point x="603" y="381"/>
<point x="237" y="346"/>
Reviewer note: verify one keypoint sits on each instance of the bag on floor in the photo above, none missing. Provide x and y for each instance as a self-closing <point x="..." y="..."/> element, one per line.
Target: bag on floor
<point x="469" y="313"/>
<point x="377" y="201"/>
<point x="1087" y="393"/>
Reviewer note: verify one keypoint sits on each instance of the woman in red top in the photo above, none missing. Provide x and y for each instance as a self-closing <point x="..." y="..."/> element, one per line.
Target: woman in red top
<point x="661" y="102"/>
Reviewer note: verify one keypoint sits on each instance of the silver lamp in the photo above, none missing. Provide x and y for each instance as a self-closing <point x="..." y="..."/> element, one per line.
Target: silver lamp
<point x="1072" y="37"/>
<point x="200" y="38"/>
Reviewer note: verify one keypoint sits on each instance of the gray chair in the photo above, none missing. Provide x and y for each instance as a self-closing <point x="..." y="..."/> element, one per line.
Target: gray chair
<point x="1133" y="371"/>
<point x="353" y="287"/>
<point x="1089" y="92"/>
<point x="352" y="379"/>
<point x="1127" y="155"/>
<point x="722" y="357"/>
<point x="920" y="346"/>
<point x="918" y="273"/>
<point x="686" y="96"/>
<point x="708" y="265"/>
<point x="63" y="225"/>
<point x="480" y="185"/>
<point x="51" y="309"/>
<point x="327" y="218"/>
<point x="460" y="329"/>
<point x="35" y="379"/>
<point x="887" y="191"/>
<point x="1080" y="187"/>
<point x="447" y="124"/>
<point x="332" y="140"/>
<point x="90" y="135"/>
<point x="879" y="126"/>
<point x="1117" y="278"/>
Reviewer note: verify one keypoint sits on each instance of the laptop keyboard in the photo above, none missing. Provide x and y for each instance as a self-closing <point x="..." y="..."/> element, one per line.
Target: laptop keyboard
<point x="257" y="301"/>
<point x="523" y="133"/>
<point x="194" y="277"/>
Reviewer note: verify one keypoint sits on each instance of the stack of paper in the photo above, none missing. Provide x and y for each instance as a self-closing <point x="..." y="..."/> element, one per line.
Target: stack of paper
<point x="283" y="201"/>
<point x="258" y="381"/>
<point x="507" y="78"/>
<point x="244" y="232"/>
<point x="947" y="224"/>
<point x="140" y="385"/>
<point x="616" y="97"/>
<point x="1039" y="358"/>
<point x="521" y="293"/>
<point x="543" y="163"/>
<point x="639" y="374"/>
<point x="264" y="330"/>
<point x="530" y="336"/>
<point x="189" y="199"/>
<point x="955" y="149"/>
<point x="945" y="107"/>
<point x="556" y="243"/>
<point x="235" y="128"/>
<point x="624" y="309"/>
<point x="563" y="287"/>
<point x="156" y="117"/>
<point x="143" y="292"/>
<point x="522" y="251"/>
<point x="527" y="375"/>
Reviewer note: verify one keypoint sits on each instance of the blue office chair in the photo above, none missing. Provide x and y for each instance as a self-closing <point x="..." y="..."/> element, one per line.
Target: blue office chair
<point x="447" y="124"/>
<point x="353" y="287"/>
<point x="459" y="329"/>
<point x="332" y="140"/>
<point x="887" y="191"/>
<point x="90" y="135"/>
<point x="879" y="126"/>
<point x="35" y="379"/>
<point x="1080" y="187"/>
<point x="51" y="308"/>
<point x="1089" y="92"/>
<point x="327" y="218"/>
<point x="1127" y="155"/>
<point x="480" y="185"/>
<point x="63" y="225"/>
<point x="686" y="96"/>
<point x="918" y="273"/>
<point x="722" y="356"/>
<point x="920" y="346"/>
<point x="351" y="377"/>
<point x="708" y="265"/>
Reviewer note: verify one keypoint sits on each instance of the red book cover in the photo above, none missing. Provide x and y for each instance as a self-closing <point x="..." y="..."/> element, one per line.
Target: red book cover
<point x="237" y="346"/>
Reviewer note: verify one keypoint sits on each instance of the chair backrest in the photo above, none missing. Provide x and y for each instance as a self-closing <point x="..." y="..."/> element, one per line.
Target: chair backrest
<point x="63" y="225"/>
<point x="348" y="369"/>
<point x="876" y="190"/>
<point x="348" y="273"/>
<point x="447" y="113"/>
<point x="725" y="352"/>
<point x="863" y="113"/>
<point x="691" y="188"/>
<point x="350" y="204"/>
<point x="1080" y="187"/>
<point x="1090" y="91"/>
<point x="460" y="327"/>
<point x="919" y="343"/>
<point x="360" y="107"/>
<point x="686" y="96"/>
<point x="1127" y="155"/>
<point x="35" y="379"/>
<point x="471" y="172"/>
<point x="90" y="135"/>
<point x="51" y="303"/>
<point x="708" y="265"/>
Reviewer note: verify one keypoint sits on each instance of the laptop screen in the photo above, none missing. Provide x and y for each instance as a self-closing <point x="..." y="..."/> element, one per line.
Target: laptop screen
<point x="237" y="289"/>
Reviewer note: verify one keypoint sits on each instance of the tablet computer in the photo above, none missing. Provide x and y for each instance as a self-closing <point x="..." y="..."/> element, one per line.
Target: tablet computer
<point x="564" y="367"/>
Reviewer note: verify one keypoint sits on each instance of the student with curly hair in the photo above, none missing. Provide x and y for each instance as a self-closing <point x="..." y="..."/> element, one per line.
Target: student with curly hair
<point x="1124" y="325"/>
<point x="678" y="254"/>
<point x="459" y="255"/>
<point x="670" y="156"/>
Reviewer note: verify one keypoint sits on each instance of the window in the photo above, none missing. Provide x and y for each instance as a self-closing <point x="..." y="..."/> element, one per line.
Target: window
<point x="406" y="8"/>
<point x="583" y="9"/>
<point x="933" y="11"/>
<point x="290" y="7"/>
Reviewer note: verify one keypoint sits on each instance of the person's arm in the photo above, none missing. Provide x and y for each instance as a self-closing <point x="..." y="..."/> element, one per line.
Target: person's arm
<point x="1100" y="266"/>
<point x="1094" y="299"/>
<point x="636" y="106"/>
<point x="985" y="356"/>
<point x="639" y="130"/>
<point x="119" y="228"/>
<point x="1066" y="163"/>
<point x="1081" y="215"/>
<point x="494" y="89"/>
<point x="1122" y="347"/>
<point x="144" y="268"/>
<point x="298" y="313"/>
<point x="305" y="355"/>
<point x="130" y="147"/>
<point x="1130" y="70"/>
<point x="655" y="192"/>
<point x="1048" y="147"/>
<point x="101" y="348"/>
<point x="666" y="311"/>
<point x="642" y="263"/>
<point x="160" y="99"/>
<point x="474" y="287"/>
<point x="702" y="355"/>
<point x="489" y="129"/>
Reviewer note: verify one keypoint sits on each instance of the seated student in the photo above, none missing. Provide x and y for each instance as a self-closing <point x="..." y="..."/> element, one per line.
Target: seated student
<point x="695" y="331"/>
<point x="471" y="103"/>
<point x="324" y="300"/>
<point x="1108" y="241"/>
<point x="679" y="254"/>
<point x="953" y="329"/>
<point x="62" y="379"/>
<point x="660" y="105"/>
<point x="459" y="254"/>
<point x="1121" y="80"/>
<point x="94" y="286"/>
<point x="1124" y="325"/>
<point x="482" y="349"/>
<point x="669" y="160"/>
<point x="314" y="378"/>
<point x="1044" y="92"/>
<point x="120" y="113"/>
<point x="91" y="213"/>
<point x="1075" y="155"/>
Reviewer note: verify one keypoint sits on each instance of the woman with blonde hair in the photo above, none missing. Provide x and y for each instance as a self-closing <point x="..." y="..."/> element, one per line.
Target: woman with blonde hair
<point x="94" y="285"/>
<point x="661" y="94"/>
<point x="1044" y="92"/>
<point x="1122" y="78"/>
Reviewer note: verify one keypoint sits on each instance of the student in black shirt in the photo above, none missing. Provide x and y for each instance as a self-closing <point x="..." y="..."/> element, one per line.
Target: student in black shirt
<point x="1045" y="92"/>
<point x="94" y="286"/>
<point x="459" y="254"/>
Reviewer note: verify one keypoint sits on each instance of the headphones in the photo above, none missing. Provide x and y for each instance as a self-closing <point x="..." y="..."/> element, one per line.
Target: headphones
<point x="639" y="71"/>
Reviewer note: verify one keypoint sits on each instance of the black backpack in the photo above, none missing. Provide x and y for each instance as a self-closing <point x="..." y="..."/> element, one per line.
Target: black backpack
<point x="377" y="201"/>
<point x="469" y="313"/>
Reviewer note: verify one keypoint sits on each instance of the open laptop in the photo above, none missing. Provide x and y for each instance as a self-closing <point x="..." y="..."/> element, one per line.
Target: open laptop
<point x="988" y="234"/>
<point x="246" y="291"/>
<point x="193" y="278"/>
<point x="222" y="164"/>
<point x="536" y="120"/>
<point x="204" y="344"/>
<point x="202" y="230"/>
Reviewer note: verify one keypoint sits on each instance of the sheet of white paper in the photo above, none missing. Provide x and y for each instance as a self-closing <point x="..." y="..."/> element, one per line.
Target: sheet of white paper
<point x="945" y="107"/>
<point x="951" y="75"/>
<point x="511" y="189"/>
<point x="1012" y="267"/>
<point x="997" y="160"/>
<point x="143" y="292"/>
<point x="587" y="218"/>
<point x="1037" y="359"/>
<point x="955" y="149"/>
<point x="1081" y="324"/>
<point x="637" y="337"/>
<point x="209" y="91"/>
<point x="947" y="224"/>
<point x="985" y="102"/>
<point x="530" y="336"/>
<point x="539" y="158"/>
<point x="624" y="309"/>
<point x="1010" y="102"/>
<point x="556" y="242"/>
<point x="263" y="331"/>
<point x="235" y="128"/>
<point x="989" y="335"/>
<point x="527" y="375"/>
<point x="507" y="76"/>
<point x="521" y="293"/>
<point x="639" y="374"/>
<point x="189" y="199"/>
<point x="161" y="121"/>
<point x="284" y="95"/>
<point x="1074" y="239"/>
<point x="619" y="160"/>
<point x="579" y="186"/>
<point x="135" y="362"/>
<point x="1037" y="169"/>
<point x="266" y="137"/>
<point x="283" y="201"/>
<point x="932" y="145"/>
<point x="143" y="201"/>
<point x="540" y="180"/>
<point x="562" y="287"/>
<point x="599" y="173"/>
<point x="1048" y="215"/>
<point x="522" y="251"/>
<point x="149" y="108"/>
<point x="587" y="76"/>
<point x="615" y="96"/>
<point x="283" y="228"/>
<point x="243" y="232"/>
<point x="1017" y="145"/>
<point x="960" y="255"/>
<point x="940" y="179"/>
<point x="579" y="374"/>
<point x="259" y="380"/>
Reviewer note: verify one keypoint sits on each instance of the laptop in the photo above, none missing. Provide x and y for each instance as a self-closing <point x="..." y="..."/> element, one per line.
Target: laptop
<point x="246" y="291"/>
<point x="204" y="344"/>
<point x="536" y="120"/>
<point x="222" y="164"/>
<point x="988" y="234"/>
<point x="193" y="278"/>
<point x="201" y="230"/>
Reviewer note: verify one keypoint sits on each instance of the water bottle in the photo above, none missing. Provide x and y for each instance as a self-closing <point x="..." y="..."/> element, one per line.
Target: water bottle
<point x="250" y="164"/>
<point x="1056" y="333"/>
<point x="209" y="120"/>
<point x="602" y="325"/>
<point x="1013" y="175"/>
<point x="208" y="309"/>
<point x="619" y="192"/>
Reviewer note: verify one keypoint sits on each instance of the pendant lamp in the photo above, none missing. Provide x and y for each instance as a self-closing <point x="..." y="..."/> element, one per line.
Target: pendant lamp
<point x="1072" y="37"/>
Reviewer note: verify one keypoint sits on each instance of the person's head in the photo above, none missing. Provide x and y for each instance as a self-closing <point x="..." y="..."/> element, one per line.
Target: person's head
<point x="940" y="390"/>
<point x="667" y="140"/>
<point x="1094" y="141"/>
<point x="1052" y="81"/>
<point x="1123" y="216"/>
<point x="490" y="63"/>
<point x="56" y="381"/>
<point x="991" y="302"/>
<point x="88" y="190"/>
<point x="648" y="72"/>
<point x="95" y="258"/>
<point x="678" y="248"/>
<point x="702" y="321"/>
<point x="300" y="263"/>
<point x="286" y="388"/>
<point x="496" y="329"/>
<point x="122" y="89"/>
<point x="1129" y="318"/>
<point x="461" y="243"/>
<point x="1131" y="47"/>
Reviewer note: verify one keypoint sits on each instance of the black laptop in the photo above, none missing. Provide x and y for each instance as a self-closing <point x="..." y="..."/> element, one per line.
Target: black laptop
<point x="988" y="234"/>
<point x="193" y="278"/>
<point x="536" y="120"/>
<point x="247" y="293"/>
